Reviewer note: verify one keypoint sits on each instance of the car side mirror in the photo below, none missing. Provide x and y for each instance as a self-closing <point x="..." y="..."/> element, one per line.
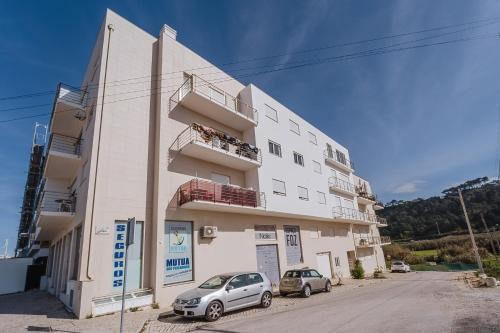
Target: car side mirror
<point x="320" y="276"/>
<point x="229" y="287"/>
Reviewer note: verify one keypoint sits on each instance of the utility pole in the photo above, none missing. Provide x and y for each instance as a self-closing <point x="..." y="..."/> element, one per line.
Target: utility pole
<point x="490" y="236"/>
<point x="474" y="247"/>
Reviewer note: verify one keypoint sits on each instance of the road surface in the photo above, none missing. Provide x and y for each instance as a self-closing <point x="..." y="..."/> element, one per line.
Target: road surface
<point x="413" y="302"/>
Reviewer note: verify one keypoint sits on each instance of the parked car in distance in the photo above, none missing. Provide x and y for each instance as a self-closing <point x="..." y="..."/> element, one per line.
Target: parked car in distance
<point x="223" y="293"/>
<point x="304" y="281"/>
<point x="400" y="266"/>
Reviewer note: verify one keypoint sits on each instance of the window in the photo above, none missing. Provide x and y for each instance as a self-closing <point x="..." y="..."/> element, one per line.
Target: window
<point x="341" y="157"/>
<point x="316" y="167"/>
<point x="254" y="278"/>
<point x="221" y="179"/>
<point x="298" y="159"/>
<point x="274" y="148"/>
<point x="303" y="195"/>
<point x="76" y="253"/>
<point x="337" y="261"/>
<point x="321" y="198"/>
<point x="239" y="281"/>
<point x="329" y="150"/>
<point x="279" y="187"/>
<point x="312" y="138"/>
<point x="315" y="273"/>
<point x="294" y="127"/>
<point x="271" y="113"/>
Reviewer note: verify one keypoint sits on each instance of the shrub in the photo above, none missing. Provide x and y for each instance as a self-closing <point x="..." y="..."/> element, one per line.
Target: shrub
<point x="492" y="268"/>
<point x="358" y="272"/>
<point x="155" y="306"/>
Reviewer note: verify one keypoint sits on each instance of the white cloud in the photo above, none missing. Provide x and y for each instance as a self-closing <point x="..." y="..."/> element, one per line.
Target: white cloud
<point x="409" y="187"/>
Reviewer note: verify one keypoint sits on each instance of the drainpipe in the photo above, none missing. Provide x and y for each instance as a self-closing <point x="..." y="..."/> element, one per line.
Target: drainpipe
<point x="89" y="253"/>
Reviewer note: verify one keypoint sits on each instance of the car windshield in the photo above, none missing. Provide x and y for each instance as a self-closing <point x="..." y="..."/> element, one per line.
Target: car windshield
<point x="292" y="274"/>
<point x="398" y="263"/>
<point x="216" y="282"/>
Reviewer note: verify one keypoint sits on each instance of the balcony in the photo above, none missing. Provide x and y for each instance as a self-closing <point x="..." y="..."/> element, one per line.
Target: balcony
<point x="365" y="198"/>
<point x="206" y="195"/>
<point x="385" y="240"/>
<point x="55" y="212"/>
<point x="341" y="186"/>
<point x="370" y="241"/>
<point x="338" y="161"/>
<point x="63" y="157"/>
<point x="216" y="147"/>
<point x="351" y="215"/>
<point x="205" y="98"/>
<point x="378" y="205"/>
<point x="382" y="222"/>
<point x="69" y="110"/>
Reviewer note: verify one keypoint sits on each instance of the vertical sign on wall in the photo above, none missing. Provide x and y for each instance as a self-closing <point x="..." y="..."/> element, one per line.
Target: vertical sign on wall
<point x="292" y="243"/>
<point x="119" y="255"/>
<point x="178" y="252"/>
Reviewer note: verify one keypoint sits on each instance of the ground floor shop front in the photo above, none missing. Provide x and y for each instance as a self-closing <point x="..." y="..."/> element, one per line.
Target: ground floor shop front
<point x="191" y="246"/>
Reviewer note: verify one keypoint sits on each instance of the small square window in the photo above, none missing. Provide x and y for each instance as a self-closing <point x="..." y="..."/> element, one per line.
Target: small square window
<point x="294" y="127"/>
<point x="312" y="138"/>
<point x="303" y="194"/>
<point x="279" y="187"/>
<point x="317" y="167"/>
<point x="298" y="159"/>
<point x="271" y="113"/>
<point x="321" y="198"/>
<point x="274" y="148"/>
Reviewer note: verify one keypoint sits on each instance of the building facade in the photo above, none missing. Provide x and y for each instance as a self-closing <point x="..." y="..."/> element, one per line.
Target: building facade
<point x="219" y="177"/>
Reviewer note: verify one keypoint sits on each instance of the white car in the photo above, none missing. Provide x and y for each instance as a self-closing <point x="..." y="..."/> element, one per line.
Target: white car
<point x="400" y="266"/>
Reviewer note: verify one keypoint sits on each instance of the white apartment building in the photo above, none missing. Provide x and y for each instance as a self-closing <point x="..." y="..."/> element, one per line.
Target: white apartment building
<point x="220" y="177"/>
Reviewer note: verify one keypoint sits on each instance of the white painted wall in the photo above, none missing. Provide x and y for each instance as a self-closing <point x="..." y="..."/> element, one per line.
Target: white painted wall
<point x="13" y="274"/>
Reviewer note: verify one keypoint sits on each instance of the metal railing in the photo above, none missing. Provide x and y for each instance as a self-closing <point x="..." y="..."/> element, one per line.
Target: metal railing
<point x="217" y="140"/>
<point x="381" y="221"/>
<point x="341" y="184"/>
<point x="65" y="144"/>
<point x="200" y="86"/>
<point x="202" y="190"/>
<point x="59" y="202"/>
<point x="366" y="241"/>
<point x="354" y="214"/>
<point x="332" y="155"/>
<point x="360" y="190"/>
<point x="72" y="95"/>
<point x="385" y="240"/>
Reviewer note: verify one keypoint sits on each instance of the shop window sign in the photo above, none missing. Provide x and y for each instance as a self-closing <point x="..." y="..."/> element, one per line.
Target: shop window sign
<point x="178" y="252"/>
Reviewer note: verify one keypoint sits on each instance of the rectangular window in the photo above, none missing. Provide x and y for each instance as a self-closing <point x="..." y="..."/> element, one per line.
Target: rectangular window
<point x="298" y="159"/>
<point x="294" y="127"/>
<point x="178" y="252"/>
<point x="265" y="232"/>
<point x="321" y="198"/>
<point x="292" y="245"/>
<point x="274" y="148"/>
<point x="271" y="113"/>
<point x="279" y="187"/>
<point x="341" y="157"/>
<point x="221" y="179"/>
<point x="337" y="261"/>
<point x="312" y="138"/>
<point x="329" y="150"/>
<point x="303" y="194"/>
<point x="317" y="167"/>
<point x="76" y="253"/>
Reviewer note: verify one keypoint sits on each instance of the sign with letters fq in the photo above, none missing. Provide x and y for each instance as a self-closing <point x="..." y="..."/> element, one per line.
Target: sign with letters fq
<point x="178" y="252"/>
<point x="292" y="244"/>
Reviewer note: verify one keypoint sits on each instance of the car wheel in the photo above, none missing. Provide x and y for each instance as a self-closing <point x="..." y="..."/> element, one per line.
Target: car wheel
<point x="328" y="287"/>
<point x="214" y="311"/>
<point x="306" y="291"/>
<point x="283" y="294"/>
<point x="266" y="300"/>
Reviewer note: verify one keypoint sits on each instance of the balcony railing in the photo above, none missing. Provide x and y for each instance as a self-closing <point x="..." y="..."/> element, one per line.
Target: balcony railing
<point x="332" y="155"/>
<point x="202" y="190"/>
<point x="217" y="140"/>
<point x="202" y="87"/>
<point x="341" y="184"/>
<point x="64" y="144"/>
<point x="385" y="240"/>
<point x="72" y="95"/>
<point x="354" y="214"/>
<point x="382" y="221"/>
<point x="57" y="202"/>
<point x="366" y="241"/>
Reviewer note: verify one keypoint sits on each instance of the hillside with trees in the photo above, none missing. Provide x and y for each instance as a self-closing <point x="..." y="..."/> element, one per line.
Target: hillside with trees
<point x="422" y="218"/>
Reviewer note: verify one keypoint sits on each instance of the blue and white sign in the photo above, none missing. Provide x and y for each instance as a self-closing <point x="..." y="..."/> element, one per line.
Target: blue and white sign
<point x="178" y="252"/>
<point x="119" y="255"/>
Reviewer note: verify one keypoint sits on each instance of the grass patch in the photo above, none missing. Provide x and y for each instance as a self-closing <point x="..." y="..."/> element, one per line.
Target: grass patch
<point x="425" y="253"/>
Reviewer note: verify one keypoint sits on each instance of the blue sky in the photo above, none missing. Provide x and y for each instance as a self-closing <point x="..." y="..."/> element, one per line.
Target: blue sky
<point x="414" y="121"/>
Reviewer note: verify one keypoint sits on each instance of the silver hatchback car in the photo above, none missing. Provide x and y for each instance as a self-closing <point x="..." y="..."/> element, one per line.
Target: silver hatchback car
<point x="224" y="293"/>
<point x="304" y="281"/>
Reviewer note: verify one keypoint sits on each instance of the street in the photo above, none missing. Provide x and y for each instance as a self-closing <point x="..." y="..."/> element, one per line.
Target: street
<point x="414" y="302"/>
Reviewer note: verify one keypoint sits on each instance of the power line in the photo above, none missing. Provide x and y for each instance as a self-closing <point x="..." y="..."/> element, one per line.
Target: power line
<point x="486" y="21"/>
<point x="322" y="61"/>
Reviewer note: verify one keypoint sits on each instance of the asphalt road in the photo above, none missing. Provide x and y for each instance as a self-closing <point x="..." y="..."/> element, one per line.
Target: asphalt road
<point x="413" y="302"/>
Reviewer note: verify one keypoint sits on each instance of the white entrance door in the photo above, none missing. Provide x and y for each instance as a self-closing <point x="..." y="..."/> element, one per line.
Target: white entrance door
<point x="324" y="264"/>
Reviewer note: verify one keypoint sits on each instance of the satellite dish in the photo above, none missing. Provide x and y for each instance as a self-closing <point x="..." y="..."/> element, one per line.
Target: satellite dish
<point x="80" y="115"/>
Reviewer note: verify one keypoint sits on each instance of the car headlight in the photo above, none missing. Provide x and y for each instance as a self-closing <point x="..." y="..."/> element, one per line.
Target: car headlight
<point x="194" y="301"/>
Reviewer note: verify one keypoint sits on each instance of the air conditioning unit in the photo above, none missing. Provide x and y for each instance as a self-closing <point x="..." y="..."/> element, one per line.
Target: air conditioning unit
<point x="208" y="231"/>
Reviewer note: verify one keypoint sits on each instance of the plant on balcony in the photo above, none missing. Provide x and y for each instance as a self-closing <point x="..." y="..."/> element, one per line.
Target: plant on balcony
<point x="358" y="271"/>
